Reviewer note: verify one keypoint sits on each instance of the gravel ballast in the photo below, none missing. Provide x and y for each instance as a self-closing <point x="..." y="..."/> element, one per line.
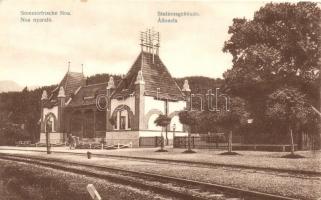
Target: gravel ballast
<point x="274" y="183"/>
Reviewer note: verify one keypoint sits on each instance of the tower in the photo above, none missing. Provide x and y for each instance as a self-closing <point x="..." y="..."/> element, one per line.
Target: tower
<point x="109" y="90"/>
<point x="187" y="92"/>
<point x="149" y="42"/>
<point x="139" y="101"/>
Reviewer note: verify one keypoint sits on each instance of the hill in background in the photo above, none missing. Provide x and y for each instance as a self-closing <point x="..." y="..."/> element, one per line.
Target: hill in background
<point x="9" y="86"/>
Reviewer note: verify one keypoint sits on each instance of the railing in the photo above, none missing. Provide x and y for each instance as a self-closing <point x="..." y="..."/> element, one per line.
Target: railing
<point x="26" y="142"/>
<point x="150" y="141"/>
<point x="205" y="142"/>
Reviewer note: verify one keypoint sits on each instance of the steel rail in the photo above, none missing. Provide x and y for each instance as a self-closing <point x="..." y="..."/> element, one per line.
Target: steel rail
<point x="290" y="172"/>
<point x="225" y="189"/>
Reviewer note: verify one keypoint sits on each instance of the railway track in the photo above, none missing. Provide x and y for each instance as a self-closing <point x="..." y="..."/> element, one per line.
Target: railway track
<point x="249" y="169"/>
<point x="166" y="185"/>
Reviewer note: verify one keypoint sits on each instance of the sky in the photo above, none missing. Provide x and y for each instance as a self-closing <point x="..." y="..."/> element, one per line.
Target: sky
<point x="104" y="37"/>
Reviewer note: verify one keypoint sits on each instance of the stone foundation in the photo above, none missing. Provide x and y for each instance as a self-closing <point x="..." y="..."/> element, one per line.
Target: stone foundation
<point x="54" y="138"/>
<point x="132" y="137"/>
<point x="122" y="137"/>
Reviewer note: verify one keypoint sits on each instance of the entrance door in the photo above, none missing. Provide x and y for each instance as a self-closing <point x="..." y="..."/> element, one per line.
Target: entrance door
<point x="122" y="122"/>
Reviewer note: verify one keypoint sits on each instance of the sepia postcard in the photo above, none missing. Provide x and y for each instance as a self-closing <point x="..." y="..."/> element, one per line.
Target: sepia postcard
<point x="150" y="99"/>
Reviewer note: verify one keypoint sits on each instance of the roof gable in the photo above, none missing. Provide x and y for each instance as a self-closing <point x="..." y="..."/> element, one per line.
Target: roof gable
<point x="71" y="82"/>
<point x="155" y="76"/>
<point x="87" y="94"/>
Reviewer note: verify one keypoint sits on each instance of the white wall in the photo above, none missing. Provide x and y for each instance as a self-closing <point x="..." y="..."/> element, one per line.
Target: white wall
<point x="176" y="106"/>
<point x="151" y="103"/>
<point x="151" y="123"/>
<point x="159" y="134"/>
<point x="178" y="125"/>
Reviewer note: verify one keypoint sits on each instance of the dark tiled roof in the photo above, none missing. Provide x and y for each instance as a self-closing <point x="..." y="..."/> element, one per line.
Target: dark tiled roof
<point x="71" y="82"/>
<point x="155" y="76"/>
<point x="87" y="95"/>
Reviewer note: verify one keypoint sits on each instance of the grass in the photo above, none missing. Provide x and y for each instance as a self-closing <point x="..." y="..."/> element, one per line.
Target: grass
<point x="19" y="181"/>
<point x="300" y="187"/>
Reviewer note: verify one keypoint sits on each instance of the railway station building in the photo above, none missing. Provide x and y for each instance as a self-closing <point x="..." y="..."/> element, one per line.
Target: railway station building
<point x="118" y="114"/>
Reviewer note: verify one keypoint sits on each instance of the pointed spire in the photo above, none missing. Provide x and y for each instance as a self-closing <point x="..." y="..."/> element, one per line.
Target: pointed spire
<point x="61" y="93"/>
<point x="82" y="69"/>
<point x="140" y="78"/>
<point x="68" y="66"/>
<point x="142" y="63"/>
<point x="44" y="95"/>
<point x="111" y="83"/>
<point x="186" y="86"/>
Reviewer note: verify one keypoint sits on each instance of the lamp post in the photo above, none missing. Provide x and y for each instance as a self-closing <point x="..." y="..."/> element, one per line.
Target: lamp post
<point x="174" y="127"/>
<point x="48" y="124"/>
<point x="216" y="93"/>
<point x="249" y="122"/>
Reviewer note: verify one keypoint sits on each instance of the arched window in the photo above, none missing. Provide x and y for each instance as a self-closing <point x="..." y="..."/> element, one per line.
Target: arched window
<point x="123" y="117"/>
<point x="50" y="123"/>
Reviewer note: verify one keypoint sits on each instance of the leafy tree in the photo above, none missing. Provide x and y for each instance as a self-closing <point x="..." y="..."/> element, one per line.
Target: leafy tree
<point x="189" y="118"/>
<point x="162" y="121"/>
<point x="280" y="46"/>
<point x="289" y="106"/>
<point x="232" y="119"/>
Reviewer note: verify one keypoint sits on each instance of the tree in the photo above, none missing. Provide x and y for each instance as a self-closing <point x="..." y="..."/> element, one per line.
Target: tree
<point x="232" y="119"/>
<point x="162" y="121"/>
<point x="189" y="118"/>
<point x="280" y="46"/>
<point x="281" y="43"/>
<point x="288" y="106"/>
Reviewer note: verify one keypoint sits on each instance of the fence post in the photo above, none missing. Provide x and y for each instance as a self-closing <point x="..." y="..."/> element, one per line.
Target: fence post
<point x="173" y="142"/>
<point x="193" y="142"/>
<point x="186" y="141"/>
<point x="156" y="143"/>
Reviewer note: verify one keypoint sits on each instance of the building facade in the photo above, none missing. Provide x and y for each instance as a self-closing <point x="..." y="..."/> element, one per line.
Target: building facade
<point x="118" y="114"/>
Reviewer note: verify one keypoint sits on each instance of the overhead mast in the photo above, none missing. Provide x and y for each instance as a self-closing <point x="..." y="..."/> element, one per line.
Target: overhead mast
<point x="68" y="66"/>
<point x="149" y="41"/>
<point x="82" y="69"/>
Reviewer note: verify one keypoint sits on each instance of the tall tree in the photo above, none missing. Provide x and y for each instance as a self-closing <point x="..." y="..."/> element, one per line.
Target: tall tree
<point x="162" y="121"/>
<point x="233" y="119"/>
<point x="189" y="118"/>
<point x="280" y="46"/>
<point x="288" y="106"/>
